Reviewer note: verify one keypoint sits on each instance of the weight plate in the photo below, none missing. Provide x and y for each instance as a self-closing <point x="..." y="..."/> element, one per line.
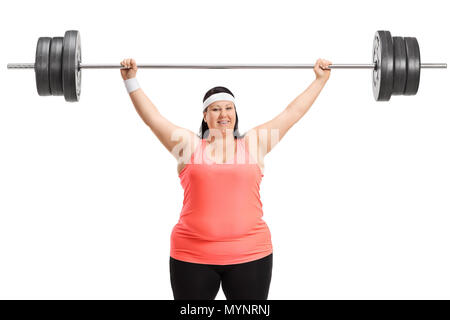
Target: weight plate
<point x="56" y="66"/>
<point x="71" y="59"/>
<point x="412" y="66"/>
<point x="399" y="65"/>
<point x="42" y="65"/>
<point x="383" y="73"/>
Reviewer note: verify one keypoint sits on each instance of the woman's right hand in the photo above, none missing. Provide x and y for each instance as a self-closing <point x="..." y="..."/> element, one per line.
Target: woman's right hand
<point x="321" y="69"/>
<point x="128" y="73"/>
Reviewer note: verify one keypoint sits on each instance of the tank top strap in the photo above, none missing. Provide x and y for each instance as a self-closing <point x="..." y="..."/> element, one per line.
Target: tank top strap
<point x="199" y="156"/>
<point x="241" y="151"/>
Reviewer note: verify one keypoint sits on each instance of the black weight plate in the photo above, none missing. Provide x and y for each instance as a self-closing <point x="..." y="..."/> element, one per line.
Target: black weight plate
<point x="42" y="65"/>
<point x="56" y="66"/>
<point x="383" y="73"/>
<point x="71" y="73"/>
<point x="412" y="66"/>
<point x="399" y="65"/>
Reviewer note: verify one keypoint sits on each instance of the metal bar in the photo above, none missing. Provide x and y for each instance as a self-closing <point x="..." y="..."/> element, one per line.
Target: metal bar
<point x="20" y="65"/>
<point x="228" y="66"/>
<point x="433" y="65"/>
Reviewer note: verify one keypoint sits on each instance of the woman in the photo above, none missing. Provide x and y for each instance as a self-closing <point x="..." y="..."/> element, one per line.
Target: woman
<point x="221" y="237"/>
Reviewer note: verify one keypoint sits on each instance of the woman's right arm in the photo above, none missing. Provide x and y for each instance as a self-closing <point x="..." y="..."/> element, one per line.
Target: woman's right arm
<point x="170" y="135"/>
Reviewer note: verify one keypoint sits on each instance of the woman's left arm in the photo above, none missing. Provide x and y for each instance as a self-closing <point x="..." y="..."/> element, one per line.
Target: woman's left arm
<point x="271" y="132"/>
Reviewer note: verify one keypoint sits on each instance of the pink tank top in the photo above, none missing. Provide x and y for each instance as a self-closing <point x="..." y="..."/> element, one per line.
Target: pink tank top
<point x="221" y="219"/>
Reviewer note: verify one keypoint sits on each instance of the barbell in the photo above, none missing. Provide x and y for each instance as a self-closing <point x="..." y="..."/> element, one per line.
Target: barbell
<point x="396" y="66"/>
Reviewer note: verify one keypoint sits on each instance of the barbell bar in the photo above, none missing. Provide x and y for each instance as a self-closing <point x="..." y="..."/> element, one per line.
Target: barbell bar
<point x="396" y="66"/>
<point x="227" y="66"/>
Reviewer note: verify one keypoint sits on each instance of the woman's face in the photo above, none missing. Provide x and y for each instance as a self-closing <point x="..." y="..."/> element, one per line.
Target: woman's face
<point x="220" y="115"/>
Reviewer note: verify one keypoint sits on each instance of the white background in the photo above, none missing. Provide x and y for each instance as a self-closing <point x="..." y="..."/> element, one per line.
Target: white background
<point x="356" y="195"/>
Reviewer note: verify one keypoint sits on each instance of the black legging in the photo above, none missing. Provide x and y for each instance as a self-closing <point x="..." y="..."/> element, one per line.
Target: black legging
<point x="242" y="281"/>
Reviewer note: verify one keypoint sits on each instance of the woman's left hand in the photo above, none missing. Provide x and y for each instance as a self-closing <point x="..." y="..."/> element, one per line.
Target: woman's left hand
<point x="320" y="69"/>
